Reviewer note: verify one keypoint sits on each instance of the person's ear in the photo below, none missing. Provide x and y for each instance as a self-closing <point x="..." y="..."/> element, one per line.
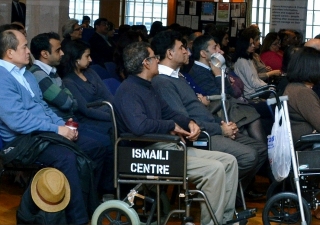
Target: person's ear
<point x="9" y="53"/>
<point x="203" y="54"/>
<point x="169" y="54"/>
<point x="44" y="54"/>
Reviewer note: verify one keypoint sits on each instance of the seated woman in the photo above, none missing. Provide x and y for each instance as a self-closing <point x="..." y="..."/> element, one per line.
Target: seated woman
<point x="85" y="85"/>
<point x="71" y="30"/>
<point x="244" y="66"/>
<point x="304" y="105"/>
<point x="265" y="73"/>
<point x="270" y="52"/>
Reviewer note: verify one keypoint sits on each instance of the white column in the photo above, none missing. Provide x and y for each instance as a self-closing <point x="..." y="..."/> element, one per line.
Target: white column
<point x="5" y="11"/>
<point x="45" y="16"/>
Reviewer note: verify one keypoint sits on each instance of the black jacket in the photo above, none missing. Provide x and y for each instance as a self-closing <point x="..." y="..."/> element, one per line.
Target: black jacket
<point x="25" y="149"/>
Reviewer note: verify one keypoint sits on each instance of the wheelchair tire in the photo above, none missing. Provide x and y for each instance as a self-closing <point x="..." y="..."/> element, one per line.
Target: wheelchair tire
<point x="115" y="212"/>
<point x="274" y="188"/>
<point x="283" y="208"/>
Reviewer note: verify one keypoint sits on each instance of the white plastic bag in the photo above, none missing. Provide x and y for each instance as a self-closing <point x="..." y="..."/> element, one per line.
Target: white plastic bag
<point x="279" y="146"/>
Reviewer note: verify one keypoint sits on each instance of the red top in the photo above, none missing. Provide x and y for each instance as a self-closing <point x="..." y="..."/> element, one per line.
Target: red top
<point x="272" y="59"/>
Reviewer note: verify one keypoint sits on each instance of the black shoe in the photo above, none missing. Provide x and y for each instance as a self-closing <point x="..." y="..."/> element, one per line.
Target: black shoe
<point x="252" y="195"/>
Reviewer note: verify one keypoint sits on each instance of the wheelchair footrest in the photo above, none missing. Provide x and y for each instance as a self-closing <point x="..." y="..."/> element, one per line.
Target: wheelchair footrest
<point x="243" y="215"/>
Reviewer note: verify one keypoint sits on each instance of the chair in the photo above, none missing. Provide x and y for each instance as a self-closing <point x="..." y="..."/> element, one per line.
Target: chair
<point x="102" y="72"/>
<point x="112" y="84"/>
<point x="111" y="68"/>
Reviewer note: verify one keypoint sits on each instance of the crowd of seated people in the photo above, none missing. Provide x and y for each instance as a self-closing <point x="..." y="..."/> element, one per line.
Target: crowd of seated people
<point x="60" y="84"/>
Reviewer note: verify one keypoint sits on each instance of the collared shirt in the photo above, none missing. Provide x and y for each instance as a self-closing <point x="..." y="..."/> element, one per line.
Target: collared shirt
<point x="45" y="67"/>
<point x="168" y="71"/>
<point x="204" y="66"/>
<point x="17" y="73"/>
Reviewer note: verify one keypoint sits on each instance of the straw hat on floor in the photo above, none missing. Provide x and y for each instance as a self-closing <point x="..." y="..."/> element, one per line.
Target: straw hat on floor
<point x="50" y="190"/>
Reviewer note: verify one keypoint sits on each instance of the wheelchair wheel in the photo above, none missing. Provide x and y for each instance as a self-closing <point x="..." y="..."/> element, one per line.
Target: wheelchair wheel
<point x="283" y="208"/>
<point x="115" y="212"/>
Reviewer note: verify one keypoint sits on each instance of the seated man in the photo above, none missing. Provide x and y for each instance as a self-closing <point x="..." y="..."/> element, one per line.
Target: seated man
<point x="46" y="49"/>
<point x="140" y="111"/>
<point x="173" y="88"/>
<point x="22" y="111"/>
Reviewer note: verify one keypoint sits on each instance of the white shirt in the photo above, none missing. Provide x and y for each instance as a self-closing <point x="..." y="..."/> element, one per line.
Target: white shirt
<point x="168" y="71"/>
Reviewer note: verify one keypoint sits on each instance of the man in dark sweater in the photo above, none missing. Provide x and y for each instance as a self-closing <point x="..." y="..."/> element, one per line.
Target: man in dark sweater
<point x="141" y="111"/>
<point x="173" y="88"/>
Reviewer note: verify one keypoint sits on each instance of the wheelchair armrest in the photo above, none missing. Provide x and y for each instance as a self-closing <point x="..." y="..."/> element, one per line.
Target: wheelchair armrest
<point x="264" y="88"/>
<point x="310" y="138"/>
<point x="151" y="137"/>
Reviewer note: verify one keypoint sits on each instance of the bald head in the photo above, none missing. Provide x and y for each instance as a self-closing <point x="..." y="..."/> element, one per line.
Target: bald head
<point x="313" y="43"/>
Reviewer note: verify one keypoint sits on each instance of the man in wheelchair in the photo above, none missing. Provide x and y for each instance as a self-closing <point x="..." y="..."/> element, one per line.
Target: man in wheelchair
<point x="140" y="111"/>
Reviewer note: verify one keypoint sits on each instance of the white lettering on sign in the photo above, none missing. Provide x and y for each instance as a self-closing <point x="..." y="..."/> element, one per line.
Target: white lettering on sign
<point x="150" y="154"/>
<point x="149" y="168"/>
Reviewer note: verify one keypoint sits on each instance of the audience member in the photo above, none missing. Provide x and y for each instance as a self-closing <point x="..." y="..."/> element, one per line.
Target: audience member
<point x="303" y="74"/>
<point x="244" y="66"/>
<point x="287" y="38"/>
<point x="270" y="53"/>
<point x="101" y="49"/>
<point x="18" y="12"/>
<point x="264" y="72"/>
<point x="156" y="27"/>
<point x="173" y="88"/>
<point x="141" y="111"/>
<point x="203" y="72"/>
<point x="22" y="111"/>
<point x="86" y="86"/>
<point x="143" y="29"/>
<point x="46" y="49"/>
<point x="71" y="30"/>
<point x="124" y="40"/>
<point x="86" y="22"/>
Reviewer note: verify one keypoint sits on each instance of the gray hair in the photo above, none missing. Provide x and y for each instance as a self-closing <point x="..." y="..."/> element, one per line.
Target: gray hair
<point x="133" y="56"/>
<point x="68" y="27"/>
<point x="8" y="40"/>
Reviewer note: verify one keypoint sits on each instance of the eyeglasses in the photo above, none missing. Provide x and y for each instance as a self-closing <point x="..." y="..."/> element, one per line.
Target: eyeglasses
<point x="78" y="29"/>
<point x="157" y="57"/>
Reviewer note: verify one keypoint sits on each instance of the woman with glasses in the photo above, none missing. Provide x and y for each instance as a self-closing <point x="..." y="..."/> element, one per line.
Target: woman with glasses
<point x="85" y="85"/>
<point x="270" y="52"/>
<point x="71" y="30"/>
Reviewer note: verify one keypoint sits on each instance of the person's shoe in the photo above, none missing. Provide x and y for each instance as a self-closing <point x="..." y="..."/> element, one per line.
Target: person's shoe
<point x="252" y="195"/>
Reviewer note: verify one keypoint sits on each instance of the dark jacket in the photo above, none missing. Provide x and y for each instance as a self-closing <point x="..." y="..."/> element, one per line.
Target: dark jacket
<point x="100" y="51"/>
<point x="25" y="149"/>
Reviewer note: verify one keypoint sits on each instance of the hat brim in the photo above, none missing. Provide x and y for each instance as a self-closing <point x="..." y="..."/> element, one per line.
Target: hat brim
<point x="43" y="205"/>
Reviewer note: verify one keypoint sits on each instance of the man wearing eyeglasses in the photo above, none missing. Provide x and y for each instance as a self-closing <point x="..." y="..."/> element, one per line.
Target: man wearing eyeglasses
<point x="140" y="110"/>
<point x="101" y="49"/>
<point x="173" y="88"/>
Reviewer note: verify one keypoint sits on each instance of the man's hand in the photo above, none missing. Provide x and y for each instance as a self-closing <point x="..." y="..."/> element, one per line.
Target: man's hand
<point x="180" y="132"/>
<point x="229" y="129"/>
<point x="203" y="99"/>
<point x="215" y="70"/>
<point x="194" y="130"/>
<point x="68" y="133"/>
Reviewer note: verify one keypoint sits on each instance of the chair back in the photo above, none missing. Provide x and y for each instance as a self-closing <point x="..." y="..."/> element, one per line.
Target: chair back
<point x="102" y="72"/>
<point x="111" y="68"/>
<point x="112" y="84"/>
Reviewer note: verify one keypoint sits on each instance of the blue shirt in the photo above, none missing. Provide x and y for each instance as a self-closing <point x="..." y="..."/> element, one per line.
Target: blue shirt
<point x="20" y="112"/>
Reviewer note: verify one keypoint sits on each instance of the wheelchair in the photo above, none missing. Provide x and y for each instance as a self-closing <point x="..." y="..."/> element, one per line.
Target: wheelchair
<point x="291" y="200"/>
<point x="151" y="167"/>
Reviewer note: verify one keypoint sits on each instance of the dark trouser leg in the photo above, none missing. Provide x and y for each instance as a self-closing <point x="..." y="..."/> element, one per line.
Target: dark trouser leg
<point x="64" y="160"/>
<point x="100" y="155"/>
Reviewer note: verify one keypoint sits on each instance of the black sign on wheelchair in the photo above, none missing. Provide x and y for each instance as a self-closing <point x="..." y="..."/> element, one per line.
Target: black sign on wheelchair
<point x="139" y="161"/>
